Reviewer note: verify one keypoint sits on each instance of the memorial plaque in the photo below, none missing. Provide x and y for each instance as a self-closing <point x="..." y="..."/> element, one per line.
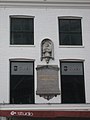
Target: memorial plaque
<point x="47" y="80"/>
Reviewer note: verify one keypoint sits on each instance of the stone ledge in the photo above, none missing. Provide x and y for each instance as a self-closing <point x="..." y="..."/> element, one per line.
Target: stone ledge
<point x="44" y="3"/>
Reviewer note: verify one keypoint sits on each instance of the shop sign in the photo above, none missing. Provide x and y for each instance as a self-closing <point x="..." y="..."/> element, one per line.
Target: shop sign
<point x="21" y="113"/>
<point x="21" y="68"/>
<point x="72" y="69"/>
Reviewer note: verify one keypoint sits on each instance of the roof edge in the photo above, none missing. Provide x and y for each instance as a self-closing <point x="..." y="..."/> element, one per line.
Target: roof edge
<point x="46" y="3"/>
<point x="54" y="1"/>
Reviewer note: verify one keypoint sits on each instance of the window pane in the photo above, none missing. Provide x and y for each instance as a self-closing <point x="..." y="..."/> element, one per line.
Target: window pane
<point x="16" y="24"/>
<point x="64" y="39"/>
<point x="64" y="25"/>
<point x="70" y="39"/>
<point x="21" y="24"/>
<point x="22" y="31"/>
<point x="22" y="38"/>
<point x="76" y="39"/>
<point x="73" y="89"/>
<point x="75" y="25"/>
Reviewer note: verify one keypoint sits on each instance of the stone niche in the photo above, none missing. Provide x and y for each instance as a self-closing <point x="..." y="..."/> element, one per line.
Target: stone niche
<point x="47" y="50"/>
<point x="47" y="81"/>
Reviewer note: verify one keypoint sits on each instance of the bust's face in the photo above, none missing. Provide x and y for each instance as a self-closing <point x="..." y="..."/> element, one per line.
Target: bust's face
<point x="47" y="44"/>
<point x="47" y="47"/>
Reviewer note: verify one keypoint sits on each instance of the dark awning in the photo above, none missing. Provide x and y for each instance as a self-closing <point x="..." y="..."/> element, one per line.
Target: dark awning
<point x="44" y="114"/>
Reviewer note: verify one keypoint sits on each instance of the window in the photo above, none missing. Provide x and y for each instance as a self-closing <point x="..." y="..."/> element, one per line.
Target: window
<point x="21" y="30"/>
<point x="21" y="82"/>
<point x="72" y="82"/>
<point x="70" y="32"/>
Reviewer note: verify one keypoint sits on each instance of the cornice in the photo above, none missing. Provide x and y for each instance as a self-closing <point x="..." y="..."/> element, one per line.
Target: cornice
<point x="79" y="1"/>
<point x="46" y="3"/>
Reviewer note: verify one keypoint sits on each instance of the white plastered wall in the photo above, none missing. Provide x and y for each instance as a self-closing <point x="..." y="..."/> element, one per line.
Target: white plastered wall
<point x="45" y="26"/>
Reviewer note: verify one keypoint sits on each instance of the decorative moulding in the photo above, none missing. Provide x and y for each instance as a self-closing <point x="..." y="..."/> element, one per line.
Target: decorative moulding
<point x="54" y="1"/>
<point x="48" y="3"/>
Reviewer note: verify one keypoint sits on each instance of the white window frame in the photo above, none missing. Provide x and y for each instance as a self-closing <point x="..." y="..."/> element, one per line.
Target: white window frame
<point x="74" y="60"/>
<point x="20" y="16"/>
<point x="71" y="46"/>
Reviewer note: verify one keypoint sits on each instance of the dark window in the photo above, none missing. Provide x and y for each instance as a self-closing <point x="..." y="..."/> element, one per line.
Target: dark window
<point x="70" y="32"/>
<point x="21" y="82"/>
<point x="72" y="82"/>
<point x="21" y="31"/>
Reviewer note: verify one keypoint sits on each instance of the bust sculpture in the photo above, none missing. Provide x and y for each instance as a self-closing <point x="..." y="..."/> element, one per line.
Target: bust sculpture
<point x="47" y="50"/>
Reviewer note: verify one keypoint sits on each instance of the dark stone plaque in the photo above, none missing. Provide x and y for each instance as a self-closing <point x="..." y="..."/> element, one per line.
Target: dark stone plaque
<point x="47" y="80"/>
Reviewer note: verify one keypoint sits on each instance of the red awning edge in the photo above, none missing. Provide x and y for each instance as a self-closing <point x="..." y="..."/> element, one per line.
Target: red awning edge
<point x="44" y="114"/>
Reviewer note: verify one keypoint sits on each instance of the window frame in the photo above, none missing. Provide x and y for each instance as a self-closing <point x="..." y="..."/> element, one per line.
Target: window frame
<point x="70" y="18"/>
<point x="72" y="61"/>
<point x="21" y="60"/>
<point x="21" y="16"/>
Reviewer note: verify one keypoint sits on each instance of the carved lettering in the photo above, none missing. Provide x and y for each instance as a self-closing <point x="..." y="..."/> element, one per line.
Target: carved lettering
<point x="47" y="77"/>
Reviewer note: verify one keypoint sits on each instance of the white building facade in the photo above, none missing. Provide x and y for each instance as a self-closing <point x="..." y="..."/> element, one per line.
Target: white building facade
<point x="44" y="59"/>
